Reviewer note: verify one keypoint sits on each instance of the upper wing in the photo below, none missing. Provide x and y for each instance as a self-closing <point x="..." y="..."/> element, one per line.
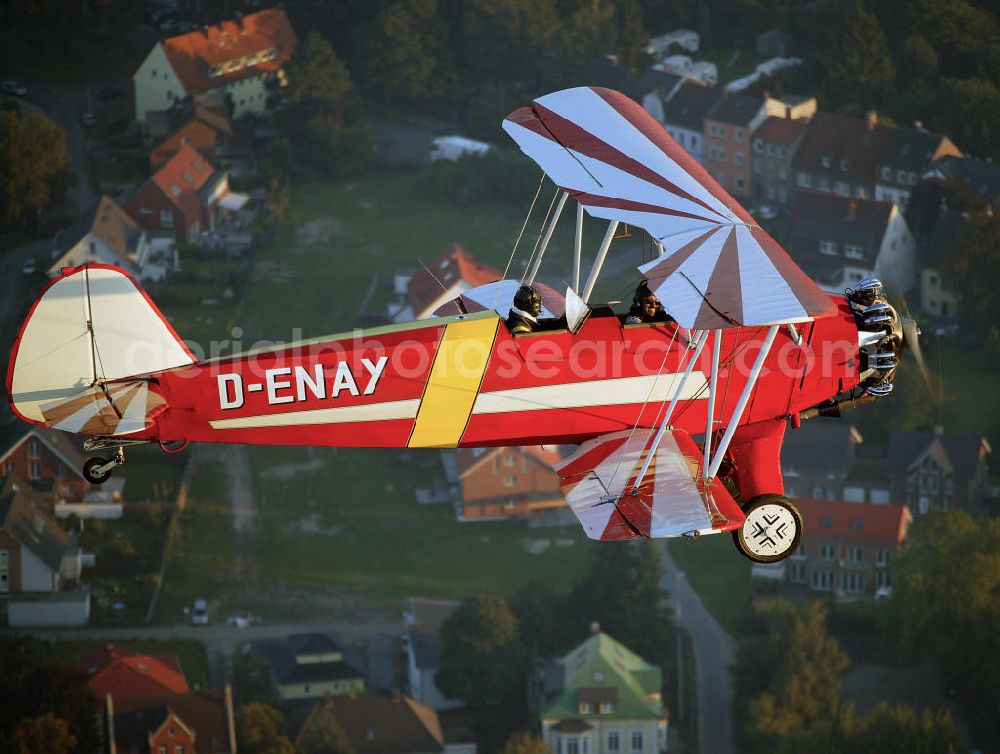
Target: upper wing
<point x="672" y="500"/>
<point x="718" y="268"/>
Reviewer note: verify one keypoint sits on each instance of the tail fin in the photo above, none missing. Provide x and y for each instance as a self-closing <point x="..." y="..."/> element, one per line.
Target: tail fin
<point x="92" y="326"/>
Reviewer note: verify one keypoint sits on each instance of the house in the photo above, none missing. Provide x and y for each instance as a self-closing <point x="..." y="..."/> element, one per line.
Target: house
<point x="193" y="722"/>
<point x="50" y="460"/>
<point x="238" y="63"/>
<point x="502" y="483"/>
<point x="981" y="176"/>
<point x="840" y="154"/>
<point x="774" y="145"/>
<point x="186" y="197"/>
<point x="727" y="132"/>
<point x="906" y="155"/>
<point x="636" y="84"/>
<point x="682" y="112"/>
<point x="839" y="240"/>
<point x="40" y="564"/>
<point x="422" y="644"/>
<point x="105" y="234"/>
<point x="704" y="71"/>
<point x="375" y="725"/>
<point x="450" y="274"/>
<point x="937" y="302"/>
<point x="817" y="458"/>
<point x="847" y="547"/>
<point x="935" y="470"/>
<point x="685" y="39"/>
<point x="128" y="675"/>
<point x="206" y="129"/>
<point x="602" y="698"/>
<point x="310" y="666"/>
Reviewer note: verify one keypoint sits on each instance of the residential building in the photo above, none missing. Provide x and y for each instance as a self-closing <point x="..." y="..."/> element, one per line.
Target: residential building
<point x="238" y="63"/>
<point x="661" y="45"/>
<point x="128" y="675"/>
<point x="375" y="725"/>
<point x="40" y="564"/>
<point x="817" y="458"/>
<point x="938" y="303"/>
<point x="636" y="84"/>
<point x="501" y="483"/>
<point x="186" y="197"/>
<point x="839" y="241"/>
<point x="51" y="461"/>
<point x="682" y="112"/>
<point x="311" y="666"/>
<point x="981" y="176"/>
<point x="105" y="234"/>
<point x="839" y="154"/>
<point x="906" y="154"/>
<point x="602" y="698"/>
<point x="422" y="644"/>
<point x="934" y="470"/>
<point x="206" y="129"/>
<point x="422" y="292"/>
<point x="847" y="547"/>
<point x="193" y="722"/>
<point x="774" y="146"/>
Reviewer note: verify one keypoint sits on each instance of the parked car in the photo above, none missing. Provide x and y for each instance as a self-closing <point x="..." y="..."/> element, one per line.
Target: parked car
<point x="13" y="87"/>
<point x="29" y="267"/>
<point x="199" y="613"/>
<point x="88" y="118"/>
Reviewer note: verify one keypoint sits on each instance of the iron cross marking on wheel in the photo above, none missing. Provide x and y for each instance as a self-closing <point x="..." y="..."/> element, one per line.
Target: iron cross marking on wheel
<point x="761" y="532"/>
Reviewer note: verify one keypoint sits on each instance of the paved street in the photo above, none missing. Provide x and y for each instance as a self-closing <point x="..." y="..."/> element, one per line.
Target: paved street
<point x="714" y="654"/>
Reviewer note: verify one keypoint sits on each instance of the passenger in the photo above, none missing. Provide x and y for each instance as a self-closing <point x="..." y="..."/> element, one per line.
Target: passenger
<point x="523" y="316"/>
<point x="645" y="307"/>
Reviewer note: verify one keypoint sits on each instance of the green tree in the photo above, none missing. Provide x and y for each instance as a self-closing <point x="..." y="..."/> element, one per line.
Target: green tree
<point x="251" y="677"/>
<point x="336" y="148"/>
<point x="972" y="267"/>
<point x="32" y="155"/>
<point x="260" y="730"/>
<point x="318" y="80"/>
<point x="325" y="735"/>
<point x="902" y="730"/>
<point x="405" y="56"/>
<point x="860" y="69"/>
<point x="482" y="657"/>
<point x="525" y="742"/>
<point x="916" y="59"/>
<point x="47" y="734"/>
<point x="632" y="35"/>
<point x="590" y="29"/>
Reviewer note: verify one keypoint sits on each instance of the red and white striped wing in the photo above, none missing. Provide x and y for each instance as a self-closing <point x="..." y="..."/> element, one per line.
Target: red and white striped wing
<point x="672" y="500"/>
<point x="718" y="268"/>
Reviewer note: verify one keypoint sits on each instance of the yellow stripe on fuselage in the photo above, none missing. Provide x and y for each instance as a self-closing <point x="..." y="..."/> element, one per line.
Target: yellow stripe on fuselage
<point x="453" y="384"/>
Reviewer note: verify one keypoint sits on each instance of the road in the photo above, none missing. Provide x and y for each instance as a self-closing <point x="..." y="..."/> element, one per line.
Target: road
<point x="714" y="654"/>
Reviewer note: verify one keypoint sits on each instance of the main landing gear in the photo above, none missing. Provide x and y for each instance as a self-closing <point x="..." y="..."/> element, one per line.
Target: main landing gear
<point x="98" y="470"/>
<point x="772" y="531"/>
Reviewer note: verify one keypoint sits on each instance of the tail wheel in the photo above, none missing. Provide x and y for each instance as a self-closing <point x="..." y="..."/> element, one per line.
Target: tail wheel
<point x="772" y="531"/>
<point x="92" y="471"/>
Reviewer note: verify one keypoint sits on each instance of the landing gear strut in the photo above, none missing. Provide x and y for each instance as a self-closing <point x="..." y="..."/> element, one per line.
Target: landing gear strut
<point x="98" y="470"/>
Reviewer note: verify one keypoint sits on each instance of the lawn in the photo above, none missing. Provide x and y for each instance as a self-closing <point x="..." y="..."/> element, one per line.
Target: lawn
<point x="190" y="652"/>
<point x="719" y="574"/>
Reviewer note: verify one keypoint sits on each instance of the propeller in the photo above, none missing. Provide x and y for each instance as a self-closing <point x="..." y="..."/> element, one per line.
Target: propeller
<point x="911" y="340"/>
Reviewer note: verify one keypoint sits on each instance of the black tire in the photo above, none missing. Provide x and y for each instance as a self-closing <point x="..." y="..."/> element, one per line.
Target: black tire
<point x="91" y="473"/>
<point x="754" y="539"/>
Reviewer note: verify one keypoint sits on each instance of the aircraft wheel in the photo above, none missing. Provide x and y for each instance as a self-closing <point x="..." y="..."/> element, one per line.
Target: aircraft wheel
<point x="772" y="531"/>
<point x="92" y="471"/>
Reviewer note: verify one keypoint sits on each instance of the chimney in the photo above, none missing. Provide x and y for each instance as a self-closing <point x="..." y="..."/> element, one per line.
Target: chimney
<point x="595" y="627"/>
<point x="871" y="119"/>
<point x="919" y="125"/>
<point x="852" y="211"/>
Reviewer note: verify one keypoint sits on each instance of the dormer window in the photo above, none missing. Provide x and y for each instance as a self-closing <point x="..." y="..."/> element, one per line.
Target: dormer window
<point x="175" y="189"/>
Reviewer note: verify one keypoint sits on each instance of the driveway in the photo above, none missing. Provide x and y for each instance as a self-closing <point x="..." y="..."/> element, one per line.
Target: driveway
<point x="714" y="654"/>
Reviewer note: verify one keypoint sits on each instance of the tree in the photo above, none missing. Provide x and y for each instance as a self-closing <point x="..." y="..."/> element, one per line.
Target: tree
<point x="972" y="266"/>
<point x="860" y="69"/>
<point x="632" y="35"/>
<point x="260" y="730"/>
<point x="405" y="57"/>
<point x="32" y="155"/>
<point x="902" y="730"/>
<point x="318" y="80"/>
<point x="482" y="658"/>
<point x="325" y="735"/>
<point x="47" y="734"/>
<point x="916" y="59"/>
<point x="251" y="677"/>
<point x="525" y="742"/>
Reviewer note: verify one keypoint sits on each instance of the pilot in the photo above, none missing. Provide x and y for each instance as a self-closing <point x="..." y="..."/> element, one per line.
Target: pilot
<point x="523" y="316"/>
<point x="646" y="307"/>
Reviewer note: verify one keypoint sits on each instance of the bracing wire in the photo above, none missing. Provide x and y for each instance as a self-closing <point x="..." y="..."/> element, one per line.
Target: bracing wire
<point x="524" y="225"/>
<point x="541" y="232"/>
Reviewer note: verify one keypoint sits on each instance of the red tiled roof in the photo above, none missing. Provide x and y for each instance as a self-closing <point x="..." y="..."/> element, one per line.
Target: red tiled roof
<point x="204" y="712"/>
<point x="140" y="675"/>
<point x="784" y="131"/>
<point x="452" y="266"/>
<point x="466" y="458"/>
<point x="193" y="55"/>
<point x="194" y="133"/>
<point x="837" y="519"/>
<point x="181" y="177"/>
<point x="102" y="656"/>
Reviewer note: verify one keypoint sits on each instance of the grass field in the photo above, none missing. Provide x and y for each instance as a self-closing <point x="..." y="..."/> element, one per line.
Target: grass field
<point x="720" y="576"/>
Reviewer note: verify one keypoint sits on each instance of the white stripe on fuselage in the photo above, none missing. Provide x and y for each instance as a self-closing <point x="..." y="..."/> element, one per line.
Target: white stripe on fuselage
<point x="613" y="392"/>
<point x="371" y="412"/>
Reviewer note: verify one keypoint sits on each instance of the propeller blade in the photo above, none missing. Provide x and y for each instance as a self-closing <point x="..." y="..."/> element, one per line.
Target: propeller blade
<point x="911" y="339"/>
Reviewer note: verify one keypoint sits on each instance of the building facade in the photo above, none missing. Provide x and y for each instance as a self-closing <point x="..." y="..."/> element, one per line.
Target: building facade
<point x="499" y="483"/>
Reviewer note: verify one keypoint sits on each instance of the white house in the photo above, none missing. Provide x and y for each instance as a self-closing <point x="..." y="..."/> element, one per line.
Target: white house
<point x="660" y="46"/>
<point x="239" y="62"/>
<point x="682" y="112"/>
<point x="106" y="234"/>
<point x="422" y="644"/>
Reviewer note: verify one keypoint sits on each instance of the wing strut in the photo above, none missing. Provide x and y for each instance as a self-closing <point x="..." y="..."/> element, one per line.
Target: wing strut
<point x="701" y="338"/>
<point x="712" y="390"/>
<point x="578" y="247"/>
<point x="548" y="237"/>
<point x="599" y="262"/>
<point x="741" y="405"/>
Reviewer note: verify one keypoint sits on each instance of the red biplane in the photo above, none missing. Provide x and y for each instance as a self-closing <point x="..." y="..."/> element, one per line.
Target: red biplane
<point x="679" y="423"/>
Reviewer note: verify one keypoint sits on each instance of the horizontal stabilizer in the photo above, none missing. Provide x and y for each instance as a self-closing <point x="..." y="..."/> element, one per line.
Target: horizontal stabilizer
<point x="672" y="499"/>
<point x="117" y="409"/>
